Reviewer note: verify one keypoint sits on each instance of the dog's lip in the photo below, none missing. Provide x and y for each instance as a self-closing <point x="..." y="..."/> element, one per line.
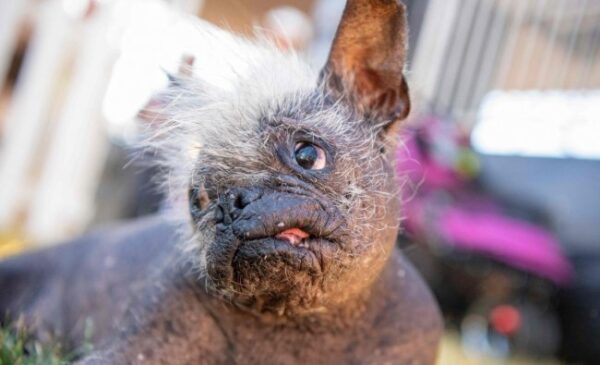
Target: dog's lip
<point x="255" y="229"/>
<point x="308" y="256"/>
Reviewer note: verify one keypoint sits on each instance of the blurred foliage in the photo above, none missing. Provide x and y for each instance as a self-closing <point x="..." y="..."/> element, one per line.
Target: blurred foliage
<point x="467" y="164"/>
<point x="18" y="347"/>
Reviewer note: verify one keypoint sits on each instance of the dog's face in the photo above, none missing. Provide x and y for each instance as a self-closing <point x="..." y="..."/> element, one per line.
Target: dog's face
<point x="293" y="196"/>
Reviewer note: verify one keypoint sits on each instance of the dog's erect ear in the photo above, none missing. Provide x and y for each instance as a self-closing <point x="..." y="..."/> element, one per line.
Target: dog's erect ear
<point x="365" y="66"/>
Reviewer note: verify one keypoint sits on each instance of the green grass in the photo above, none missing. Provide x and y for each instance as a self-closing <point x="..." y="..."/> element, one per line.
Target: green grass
<point x="17" y="347"/>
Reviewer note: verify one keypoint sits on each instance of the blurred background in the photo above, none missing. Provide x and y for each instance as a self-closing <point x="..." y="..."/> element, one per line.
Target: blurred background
<point x="501" y="152"/>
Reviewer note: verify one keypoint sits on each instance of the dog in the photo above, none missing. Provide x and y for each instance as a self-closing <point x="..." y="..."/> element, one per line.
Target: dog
<point x="283" y="251"/>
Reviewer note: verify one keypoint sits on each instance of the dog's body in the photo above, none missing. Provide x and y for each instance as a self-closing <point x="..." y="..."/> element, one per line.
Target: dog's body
<point x="146" y="309"/>
<point x="286" y="253"/>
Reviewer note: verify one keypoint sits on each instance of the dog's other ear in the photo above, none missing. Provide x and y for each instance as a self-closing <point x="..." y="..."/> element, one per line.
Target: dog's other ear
<point x="365" y="66"/>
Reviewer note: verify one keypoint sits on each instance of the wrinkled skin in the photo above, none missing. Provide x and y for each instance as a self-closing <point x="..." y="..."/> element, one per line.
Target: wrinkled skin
<point x="350" y="235"/>
<point x="292" y="255"/>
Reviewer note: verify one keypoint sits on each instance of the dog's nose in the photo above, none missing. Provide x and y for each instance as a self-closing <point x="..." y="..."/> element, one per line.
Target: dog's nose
<point x="233" y="202"/>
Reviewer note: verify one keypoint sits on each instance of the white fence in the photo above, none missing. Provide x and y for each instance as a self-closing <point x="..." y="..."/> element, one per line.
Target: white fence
<point x="53" y="134"/>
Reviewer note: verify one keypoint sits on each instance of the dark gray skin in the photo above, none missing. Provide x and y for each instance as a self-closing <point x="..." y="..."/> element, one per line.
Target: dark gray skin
<point x="147" y="306"/>
<point x="345" y="295"/>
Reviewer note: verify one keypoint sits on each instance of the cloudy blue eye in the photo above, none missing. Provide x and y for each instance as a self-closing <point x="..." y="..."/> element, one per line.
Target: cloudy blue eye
<point x="310" y="157"/>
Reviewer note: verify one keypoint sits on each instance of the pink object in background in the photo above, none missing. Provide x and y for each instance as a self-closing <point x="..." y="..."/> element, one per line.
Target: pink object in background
<point x="440" y="203"/>
<point x="508" y="240"/>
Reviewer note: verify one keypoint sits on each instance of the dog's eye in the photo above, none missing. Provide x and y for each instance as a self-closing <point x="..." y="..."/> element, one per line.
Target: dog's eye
<point x="309" y="156"/>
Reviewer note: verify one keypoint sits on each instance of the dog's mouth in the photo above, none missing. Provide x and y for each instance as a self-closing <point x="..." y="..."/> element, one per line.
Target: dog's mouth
<point x="295" y="237"/>
<point x="301" y="247"/>
<point x="260" y="233"/>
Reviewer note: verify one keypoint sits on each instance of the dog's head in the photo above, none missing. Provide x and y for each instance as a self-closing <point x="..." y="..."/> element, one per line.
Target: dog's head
<point x="292" y="191"/>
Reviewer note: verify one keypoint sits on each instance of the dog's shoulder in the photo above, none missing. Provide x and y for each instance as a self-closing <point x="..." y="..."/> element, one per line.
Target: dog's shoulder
<point x="408" y="326"/>
<point x="58" y="289"/>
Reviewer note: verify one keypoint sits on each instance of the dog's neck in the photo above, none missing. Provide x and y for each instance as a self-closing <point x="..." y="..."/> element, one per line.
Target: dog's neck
<point x="340" y="316"/>
<point x="352" y="330"/>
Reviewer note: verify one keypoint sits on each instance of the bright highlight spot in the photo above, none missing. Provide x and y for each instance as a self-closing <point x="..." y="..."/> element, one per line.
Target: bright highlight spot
<point x="559" y="124"/>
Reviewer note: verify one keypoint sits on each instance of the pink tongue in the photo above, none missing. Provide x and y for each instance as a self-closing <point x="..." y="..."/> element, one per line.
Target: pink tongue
<point x="293" y="235"/>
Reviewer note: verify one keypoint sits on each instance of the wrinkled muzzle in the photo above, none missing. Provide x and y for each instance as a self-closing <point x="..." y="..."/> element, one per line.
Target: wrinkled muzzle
<point x="265" y="237"/>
